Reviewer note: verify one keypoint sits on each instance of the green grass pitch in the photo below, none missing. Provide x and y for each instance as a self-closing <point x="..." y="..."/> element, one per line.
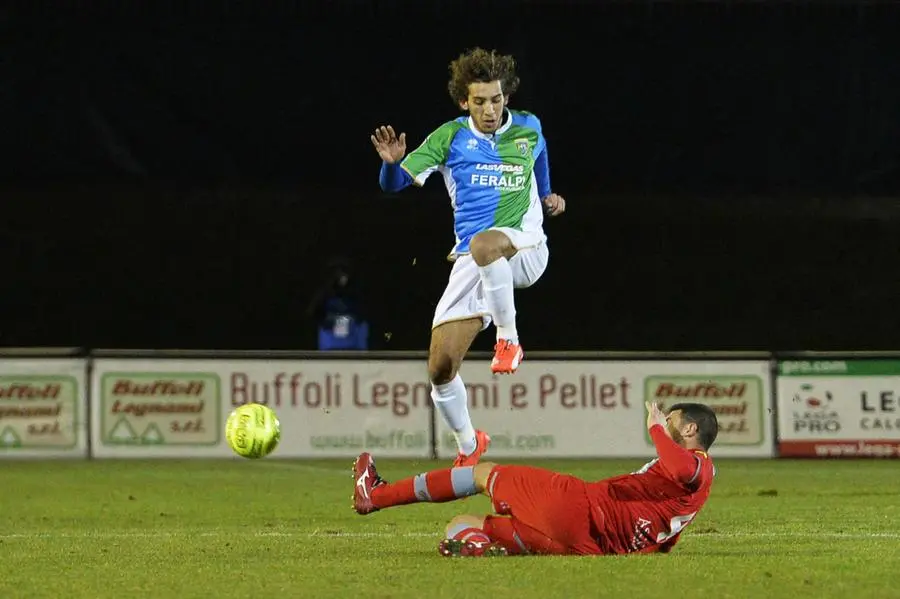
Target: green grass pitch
<point x="275" y="528"/>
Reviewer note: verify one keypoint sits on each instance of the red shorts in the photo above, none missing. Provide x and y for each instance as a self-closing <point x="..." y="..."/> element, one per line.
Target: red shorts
<point x="547" y="512"/>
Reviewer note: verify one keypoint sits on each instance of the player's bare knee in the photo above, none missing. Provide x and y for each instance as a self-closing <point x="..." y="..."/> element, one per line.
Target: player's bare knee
<point x="441" y="369"/>
<point x="463" y="521"/>
<point x="488" y="246"/>
<point x="482" y="472"/>
<point x="449" y="343"/>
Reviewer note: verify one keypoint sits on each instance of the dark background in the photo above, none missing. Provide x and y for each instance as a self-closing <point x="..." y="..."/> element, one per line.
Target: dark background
<point x="176" y="176"/>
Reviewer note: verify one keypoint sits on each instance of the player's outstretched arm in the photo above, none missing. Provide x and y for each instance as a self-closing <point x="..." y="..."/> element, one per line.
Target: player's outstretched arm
<point x="554" y="204"/>
<point x="391" y="149"/>
<point x="393" y="178"/>
<point x="681" y="464"/>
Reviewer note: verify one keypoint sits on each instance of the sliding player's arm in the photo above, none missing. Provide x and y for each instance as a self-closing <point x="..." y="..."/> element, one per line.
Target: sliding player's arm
<point x="669" y="544"/>
<point x="683" y="466"/>
<point x="664" y="547"/>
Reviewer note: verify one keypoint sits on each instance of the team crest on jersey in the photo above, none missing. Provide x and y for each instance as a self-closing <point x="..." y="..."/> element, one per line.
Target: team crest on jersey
<point x="522" y="144"/>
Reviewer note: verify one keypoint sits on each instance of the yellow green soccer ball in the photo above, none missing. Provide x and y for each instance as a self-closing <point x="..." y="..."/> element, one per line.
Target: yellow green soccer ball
<point x="253" y="431"/>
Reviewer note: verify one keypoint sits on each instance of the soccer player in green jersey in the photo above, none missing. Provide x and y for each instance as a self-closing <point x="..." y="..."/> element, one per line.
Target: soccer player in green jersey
<point x="495" y="168"/>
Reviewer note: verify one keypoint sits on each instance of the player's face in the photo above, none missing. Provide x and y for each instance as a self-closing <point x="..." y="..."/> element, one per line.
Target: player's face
<point x="673" y="423"/>
<point x="678" y="428"/>
<point x="485" y="104"/>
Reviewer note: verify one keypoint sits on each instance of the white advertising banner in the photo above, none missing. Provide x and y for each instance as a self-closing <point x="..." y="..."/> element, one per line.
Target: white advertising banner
<point x="338" y="408"/>
<point x="839" y="408"/>
<point x="43" y="409"/>
<point x="327" y="408"/>
<point x="577" y="408"/>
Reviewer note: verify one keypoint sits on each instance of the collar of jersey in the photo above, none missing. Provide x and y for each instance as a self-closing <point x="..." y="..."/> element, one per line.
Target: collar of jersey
<point x="506" y="114"/>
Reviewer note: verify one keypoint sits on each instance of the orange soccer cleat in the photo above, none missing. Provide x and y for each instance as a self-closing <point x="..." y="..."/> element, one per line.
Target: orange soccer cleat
<point x="482" y="442"/>
<point x="507" y="357"/>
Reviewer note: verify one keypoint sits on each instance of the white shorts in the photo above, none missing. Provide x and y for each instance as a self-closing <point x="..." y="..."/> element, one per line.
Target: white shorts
<point x="464" y="297"/>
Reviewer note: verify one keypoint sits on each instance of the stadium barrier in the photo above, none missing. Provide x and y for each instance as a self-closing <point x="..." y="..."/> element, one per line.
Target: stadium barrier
<point x="70" y="403"/>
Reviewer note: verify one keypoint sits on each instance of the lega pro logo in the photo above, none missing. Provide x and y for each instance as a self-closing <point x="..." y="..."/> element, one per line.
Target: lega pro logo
<point x="813" y="411"/>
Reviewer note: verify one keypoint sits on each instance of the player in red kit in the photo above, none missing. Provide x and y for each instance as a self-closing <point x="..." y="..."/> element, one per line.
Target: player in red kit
<point x="543" y="512"/>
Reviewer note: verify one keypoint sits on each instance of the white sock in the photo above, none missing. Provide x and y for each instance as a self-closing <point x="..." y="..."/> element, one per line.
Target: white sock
<point x="497" y="281"/>
<point x="452" y="402"/>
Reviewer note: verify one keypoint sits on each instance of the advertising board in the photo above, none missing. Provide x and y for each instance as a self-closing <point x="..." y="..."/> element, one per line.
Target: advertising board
<point x="43" y="409"/>
<point x="839" y="408"/>
<point x="571" y="408"/>
<point x="327" y="408"/>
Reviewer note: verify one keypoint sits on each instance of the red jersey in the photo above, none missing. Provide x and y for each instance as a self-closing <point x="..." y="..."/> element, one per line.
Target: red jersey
<point x="645" y="511"/>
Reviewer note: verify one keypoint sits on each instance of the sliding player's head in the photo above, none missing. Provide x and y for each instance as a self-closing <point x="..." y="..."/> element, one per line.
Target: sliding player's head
<point x="481" y="83"/>
<point x="693" y="425"/>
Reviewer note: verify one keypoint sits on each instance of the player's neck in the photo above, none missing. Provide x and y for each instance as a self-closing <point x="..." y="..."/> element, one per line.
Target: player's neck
<point x="504" y="120"/>
<point x="692" y="446"/>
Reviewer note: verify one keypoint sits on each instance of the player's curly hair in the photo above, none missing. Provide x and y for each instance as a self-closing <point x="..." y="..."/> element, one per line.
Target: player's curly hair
<point x="481" y="66"/>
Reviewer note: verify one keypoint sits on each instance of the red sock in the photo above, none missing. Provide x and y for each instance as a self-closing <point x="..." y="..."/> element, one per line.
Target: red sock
<point x="437" y="486"/>
<point x="391" y="494"/>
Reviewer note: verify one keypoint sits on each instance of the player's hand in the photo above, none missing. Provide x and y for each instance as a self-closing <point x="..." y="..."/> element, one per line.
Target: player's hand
<point x="390" y="147"/>
<point x="655" y="416"/>
<point x="554" y="204"/>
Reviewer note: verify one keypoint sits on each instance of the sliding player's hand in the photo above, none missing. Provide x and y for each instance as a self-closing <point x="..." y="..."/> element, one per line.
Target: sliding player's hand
<point x="655" y="416"/>
<point x="554" y="204"/>
<point x="389" y="146"/>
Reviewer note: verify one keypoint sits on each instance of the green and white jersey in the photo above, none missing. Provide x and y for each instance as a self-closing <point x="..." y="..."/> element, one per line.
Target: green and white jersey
<point x="493" y="180"/>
